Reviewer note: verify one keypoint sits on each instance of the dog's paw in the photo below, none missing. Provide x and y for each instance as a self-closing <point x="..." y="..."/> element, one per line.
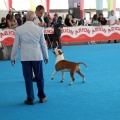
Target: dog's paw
<point x="70" y="84"/>
<point x="52" y="78"/>
<point x="83" y="81"/>
<point x="62" y="81"/>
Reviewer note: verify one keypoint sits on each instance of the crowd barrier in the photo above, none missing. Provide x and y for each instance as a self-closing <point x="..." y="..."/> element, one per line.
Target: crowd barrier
<point x="69" y="35"/>
<point x="72" y="34"/>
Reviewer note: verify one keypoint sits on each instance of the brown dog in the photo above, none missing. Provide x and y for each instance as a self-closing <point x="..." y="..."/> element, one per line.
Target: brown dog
<point x="66" y="66"/>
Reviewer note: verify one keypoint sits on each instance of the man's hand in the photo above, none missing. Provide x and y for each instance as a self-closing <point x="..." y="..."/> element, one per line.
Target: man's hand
<point x="45" y="25"/>
<point x="46" y="61"/>
<point x="41" y="24"/>
<point x="12" y="62"/>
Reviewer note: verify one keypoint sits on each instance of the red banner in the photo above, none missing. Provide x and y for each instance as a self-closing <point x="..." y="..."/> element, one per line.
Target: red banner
<point x="72" y="34"/>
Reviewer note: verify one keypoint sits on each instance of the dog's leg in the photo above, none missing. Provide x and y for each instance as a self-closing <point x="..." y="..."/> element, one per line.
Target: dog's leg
<point x="72" y="76"/>
<point x="80" y="73"/>
<point x="62" y="77"/>
<point x="53" y="74"/>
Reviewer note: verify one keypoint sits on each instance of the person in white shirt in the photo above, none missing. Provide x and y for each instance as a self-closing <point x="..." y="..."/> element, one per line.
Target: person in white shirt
<point x="33" y="50"/>
<point x="112" y="21"/>
<point x="39" y="20"/>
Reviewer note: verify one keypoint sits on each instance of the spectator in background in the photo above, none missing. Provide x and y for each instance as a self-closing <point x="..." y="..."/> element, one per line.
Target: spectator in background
<point x="24" y="18"/>
<point x="9" y="15"/>
<point x="119" y="21"/>
<point x="95" y="21"/>
<point x="48" y="36"/>
<point x="1" y="51"/>
<point x="68" y="22"/>
<point x="3" y="23"/>
<point x="54" y="21"/>
<point x="46" y="19"/>
<point x="50" y="19"/>
<point x="74" y="21"/>
<point x="112" y="21"/>
<point x="102" y="20"/>
<point x="18" y="19"/>
<point x="12" y="23"/>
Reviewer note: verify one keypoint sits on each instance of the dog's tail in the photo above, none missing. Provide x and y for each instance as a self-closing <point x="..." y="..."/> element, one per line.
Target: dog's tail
<point x="82" y="63"/>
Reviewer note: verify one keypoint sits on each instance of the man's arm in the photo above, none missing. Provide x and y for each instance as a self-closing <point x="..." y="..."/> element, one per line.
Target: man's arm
<point x="38" y="23"/>
<point x="43" y="46"/>
<point x="115" y="22"/>
<point x="15" y="48"/>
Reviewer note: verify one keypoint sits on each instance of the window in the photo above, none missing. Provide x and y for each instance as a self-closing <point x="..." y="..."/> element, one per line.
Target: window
<point x="21" y="4"/>
<point x="105" y="4"/>
<point x="3" y="6"/>
<point x="117" y="3"/>
<point x="89" y="5"/>
<point x="59" y="4"/>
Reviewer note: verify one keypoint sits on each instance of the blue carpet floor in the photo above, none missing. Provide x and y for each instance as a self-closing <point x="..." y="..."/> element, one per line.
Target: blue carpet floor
<point x="97" y="99"/>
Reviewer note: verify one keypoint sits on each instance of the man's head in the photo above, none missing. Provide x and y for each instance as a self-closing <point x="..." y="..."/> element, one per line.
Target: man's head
<point x="40" y="10"/>
<point x="55" y="16"/>
<point x="101" y="15"/>
<point x="3" y="20"/>
<point x="30" y="16"/>
<point x="10" y="13"/>
<point x="112" y="12"/>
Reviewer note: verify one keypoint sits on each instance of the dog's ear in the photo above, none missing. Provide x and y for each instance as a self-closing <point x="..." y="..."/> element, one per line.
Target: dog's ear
<point x="60" y="52"/>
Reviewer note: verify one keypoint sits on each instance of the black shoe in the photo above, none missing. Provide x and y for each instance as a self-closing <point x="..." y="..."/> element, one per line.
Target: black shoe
<point x="34" y="80"/>
<point x="28" y="102"/>
<point x="115" y="41"/>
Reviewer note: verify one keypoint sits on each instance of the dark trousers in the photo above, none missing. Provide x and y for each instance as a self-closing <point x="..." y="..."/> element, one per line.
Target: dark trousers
<point x="48" y="40"/>
<point x="27" y="73"/>
<point x="56" y="38"/>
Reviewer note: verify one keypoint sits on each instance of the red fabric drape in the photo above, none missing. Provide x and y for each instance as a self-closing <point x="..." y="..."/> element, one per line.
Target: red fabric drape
<point x="47" y="5"/>
<point x="81" y="9"/>
<point x="114" y="5"/>
<point x="9" y="4"/>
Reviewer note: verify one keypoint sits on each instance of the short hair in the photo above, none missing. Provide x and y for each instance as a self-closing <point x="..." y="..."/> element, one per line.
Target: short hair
<point x="60" y="18"/>
<point x="30" y="15"/>
<point x="55" y="14"/>
<point x="40" y="7"/>
<point x="112" y="10"/>
<point x="3" y="19"/>
<point x="100" y="14"/>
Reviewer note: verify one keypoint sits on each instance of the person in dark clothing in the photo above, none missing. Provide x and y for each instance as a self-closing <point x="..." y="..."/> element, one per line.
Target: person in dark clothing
<point x="18" y="19"/>
<point x="46" y="19"/>
<point x="9" y="15"/>
<point x="57" y="24"/>
<point x="102" y="20"/>
<point x="24" y="18"/>
<point x="47" y="37"/>
<point x="74" y="21"/>
<point x="1" y="51"/>
<point x="3" y="23"/>
<point x="68" y="22"/>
